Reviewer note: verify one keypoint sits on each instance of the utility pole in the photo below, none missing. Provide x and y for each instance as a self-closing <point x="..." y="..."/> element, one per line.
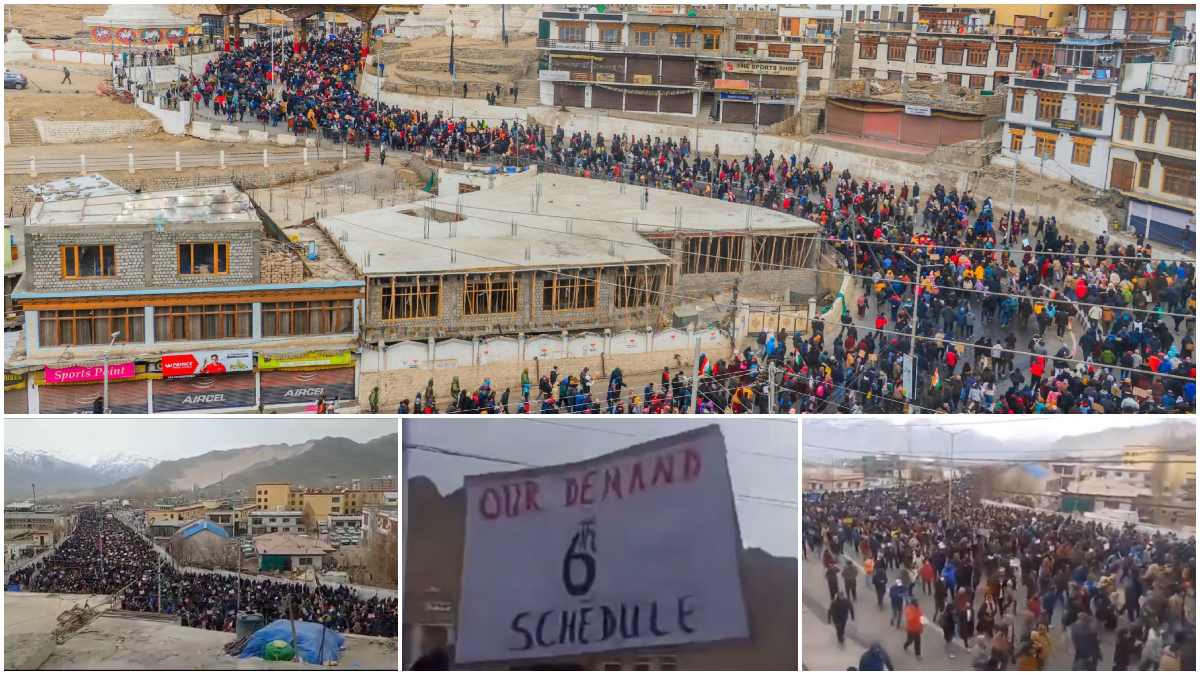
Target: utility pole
<point x="695" y="378"/>
<point x="771" y="387"/>
<point x="912" y="342"/>
<point x="105" y="408"/>
<point x="950" y="483"/>
<point x="160" y="585"/>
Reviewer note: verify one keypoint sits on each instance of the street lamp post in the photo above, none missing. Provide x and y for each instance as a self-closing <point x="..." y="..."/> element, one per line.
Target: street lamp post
<point x="105" y="409"/>
<point x="950" y="483"/>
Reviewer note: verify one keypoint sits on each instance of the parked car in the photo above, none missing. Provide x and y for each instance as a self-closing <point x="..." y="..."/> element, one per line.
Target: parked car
<point x="15" y="80"/>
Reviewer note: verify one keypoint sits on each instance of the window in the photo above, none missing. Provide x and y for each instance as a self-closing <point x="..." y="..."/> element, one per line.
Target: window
<point x="610" y="35"/>
<point x="1081" y="150"/>
<point x="63" y="327"/>
<point x="1141" y="19"/>
<point x="712" y="39"/>
<point x="1151" y="132"/>
<point x="897" y="50"/>
<point x="680" y="38"/>
<point x="977" y="81"/>
<point x="80" y="262"/>
<point x="572" y="32"/>
<point x="813" y="84"/>
<point x="866" y="73"/>
<point x="643" y="37"/>
<point x="1181" y="133"/>
<point x="815" y="57"/>
<point x="1016" y="139"/>
<point x="1099" y="18"/>
<point x="1003" y="51"/>
<point x="202" y="322"/>
<point x="569" y="289"/>
<point x="305" y="561"/>
<point x="926" y="52"/>
<point x="894" y="75"/>
<point x="490" y="294"/>
<point x="952" y="56"/>
<point x="1045" y="145"/>
<point x="1018" y="101"/>
<point x="977" y="55"/>
<point x="1144" y="169"/>
<point x="926" y="77"/>
<point x="712" y="253"/>
<point x="1122" y="174"/>
<point x="1049" y="105"/>
<point x="1028" y="52"/>
<point x="1179" y="181"/>
<point x="868" y="50"/>
<point x="638" y="287"/>
<point x="1089" y="111"/>
<point x="410" y="298"/>
<point x="1128" y="122"/>
<point x="207" y="257"/>
<point x="311" y="317"/>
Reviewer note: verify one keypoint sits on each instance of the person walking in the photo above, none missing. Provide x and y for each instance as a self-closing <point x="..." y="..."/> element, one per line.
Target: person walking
<point x="831" y="578"/>
<point x="897" y="593"/>
<point x="66" y="76"/>
<point x="880" y="581"/>
<point x="840" y="611"/>
<point x="914" y="623"/>
<point x="948" y="624"/>
<point x="875" y="658"/>
<point x="850" y="580"/>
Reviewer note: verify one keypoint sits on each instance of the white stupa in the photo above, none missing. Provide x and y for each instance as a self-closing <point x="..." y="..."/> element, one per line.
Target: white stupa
<point x="137" y="16"/>
<point x="16" y="48"/>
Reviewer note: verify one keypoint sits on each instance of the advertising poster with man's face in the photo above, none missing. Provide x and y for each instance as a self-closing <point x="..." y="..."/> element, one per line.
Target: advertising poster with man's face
<point x="207" y="363"/>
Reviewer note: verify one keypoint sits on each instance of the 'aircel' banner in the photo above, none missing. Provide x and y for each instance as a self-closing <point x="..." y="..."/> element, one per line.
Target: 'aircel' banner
<point x="638" y="548"/>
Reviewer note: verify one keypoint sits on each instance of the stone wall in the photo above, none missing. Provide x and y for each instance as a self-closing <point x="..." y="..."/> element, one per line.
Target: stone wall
<point x="244" y="250"/>
<point x="281" y="266"/>
<point x="45" y="260"/>
<point x="95" y="132"/>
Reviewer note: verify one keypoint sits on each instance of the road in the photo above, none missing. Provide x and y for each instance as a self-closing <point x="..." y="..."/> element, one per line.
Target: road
<point x="819" y="649"/>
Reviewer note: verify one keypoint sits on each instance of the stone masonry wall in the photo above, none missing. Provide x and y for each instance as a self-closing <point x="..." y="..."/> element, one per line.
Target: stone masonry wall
<point x="95" y="132"/>
<point x="45" y="261"/>
<point x="244" y="249"/>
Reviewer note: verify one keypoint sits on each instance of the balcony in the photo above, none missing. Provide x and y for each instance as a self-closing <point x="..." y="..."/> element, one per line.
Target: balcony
<point x="659" y="48"/>
<point x="616" y="78"/>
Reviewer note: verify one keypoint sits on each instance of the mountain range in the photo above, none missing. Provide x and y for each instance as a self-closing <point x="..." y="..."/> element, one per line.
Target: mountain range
<point x="311" y="463"/>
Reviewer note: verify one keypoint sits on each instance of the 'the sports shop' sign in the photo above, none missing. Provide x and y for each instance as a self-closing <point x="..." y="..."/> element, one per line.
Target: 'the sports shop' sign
<point x="638" y="548"/>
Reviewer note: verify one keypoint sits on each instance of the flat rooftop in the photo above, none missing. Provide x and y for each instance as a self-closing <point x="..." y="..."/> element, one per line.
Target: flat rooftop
<point x="216" y="205"/>
<point x="601" y="217"/>
<point x="76" y="187"/>
<point x="122" y="643"/>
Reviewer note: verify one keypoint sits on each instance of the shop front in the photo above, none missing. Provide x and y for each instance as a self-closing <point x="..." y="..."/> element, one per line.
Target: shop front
<point x="16" y="395"/>
<point x="306" y="378"/>
<point x="80" y="389"/>
<point x="204" y="392"/>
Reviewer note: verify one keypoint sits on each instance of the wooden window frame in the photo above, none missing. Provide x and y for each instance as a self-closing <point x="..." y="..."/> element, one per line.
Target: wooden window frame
<point x="868" y="50"/>
<point x="710" y="40"/>
<point x="927" y="53"/>
<point x="1123" y="163"/>
<point x="1081" y="145"/>
<point x="1181" y="134"/>
<point x="570" y="290"/>
<point x="953" y="56"/>
<point x="977" y="82"/>
<point x="815" y="56"/>
<point x="1145" y="169"/>
<point x="1018" y="101"/>
<point x="1128" y="128"/>
<point x="1016" y="140"/>
<point x="216" y="257"/>
<point x="866" y="73"/>
<point x="1089" y="111"/>
<point x="53" y="323"/>
<point x="635" y="37"/>
<point x="1150" y="130"/>
<point x="973" y="56"/>
<point x="320" y="317"/>
<point x="419" y="297"/>
<point x="1173" y="175"/>
<point x="1045" y="140"/>
<point x="639" y="287"/>
<point x="172" y="316"/>
<point x="1048" y="102"/>
<point x="71" y="252"/>
<point x="1099" y="18"/>
<point x="490" y="287"/>
<point x="901" y="47"/>
<point x="570" y="27"/>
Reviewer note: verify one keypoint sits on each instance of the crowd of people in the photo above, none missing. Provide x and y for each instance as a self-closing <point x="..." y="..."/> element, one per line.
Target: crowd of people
<point x="1015" y="586"/>
<point x="105" y="556"/>
<point x="970" y="292"/>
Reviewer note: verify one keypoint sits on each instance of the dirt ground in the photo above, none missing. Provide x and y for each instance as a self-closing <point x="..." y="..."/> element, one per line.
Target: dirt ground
<point x="48" y="98"/>
<point x="65" y="21"/>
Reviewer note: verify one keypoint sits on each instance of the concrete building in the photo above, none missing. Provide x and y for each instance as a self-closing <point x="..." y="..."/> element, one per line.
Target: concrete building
<point x="1103" y="493"/>
<point x="1153" y="156"/>
<point x="832" y="479"/>
<point x="197" y="301"/>
<point x="1147" y="21"/>
<point x="33" y="531"/>
<point x="449" y="267"/>
<point x="233" y="519"/>
<point x="912" y="112"/>
<point x="289" y="552"/>
<point x="1061" y="128"/>
<point x="276" y="521"/>
<point x="274" y="496"/>
<point x="381" y="538"/>
<point x="175" y="514"/>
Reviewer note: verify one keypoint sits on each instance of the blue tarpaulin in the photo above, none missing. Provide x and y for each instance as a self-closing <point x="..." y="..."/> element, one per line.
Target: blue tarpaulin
<point x="308" y="641"/>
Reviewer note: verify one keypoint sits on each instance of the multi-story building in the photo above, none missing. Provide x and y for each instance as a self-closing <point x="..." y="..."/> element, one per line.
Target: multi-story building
<point x="177" y="300"/>
<point x="274" y="496"/>
<point x="795" y="59"/>
<point x="1153" y="162"/>
<point x="276" y="521"/>
<point x="175" y="514"/>
<point x="1061" y="127"/>
<point x="235" y="519"/>
<point x="1150" y="22"/>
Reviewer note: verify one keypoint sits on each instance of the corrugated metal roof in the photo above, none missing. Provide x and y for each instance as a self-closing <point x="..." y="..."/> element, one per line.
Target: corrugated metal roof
<point x="198" y="526"/>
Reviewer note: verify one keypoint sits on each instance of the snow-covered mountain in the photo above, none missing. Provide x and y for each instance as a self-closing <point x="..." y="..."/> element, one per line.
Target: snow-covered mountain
<point x="122" y="466"/>
<point x="24" y="468"/>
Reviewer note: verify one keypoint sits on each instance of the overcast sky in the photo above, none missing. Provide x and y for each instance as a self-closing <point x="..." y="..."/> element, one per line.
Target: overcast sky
<point x="568" y="439"/>
<point x="86" y="438"/>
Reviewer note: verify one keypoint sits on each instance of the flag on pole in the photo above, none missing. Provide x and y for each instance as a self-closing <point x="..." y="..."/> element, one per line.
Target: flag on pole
<point x="936" y="382"/>
<point x="453" y="75"/>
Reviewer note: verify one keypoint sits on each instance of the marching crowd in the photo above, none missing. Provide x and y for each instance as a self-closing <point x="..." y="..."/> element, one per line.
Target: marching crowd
<point x="104" y="556"/>
<point x="1014" y="586"/>
<point x="978" y="291"/>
